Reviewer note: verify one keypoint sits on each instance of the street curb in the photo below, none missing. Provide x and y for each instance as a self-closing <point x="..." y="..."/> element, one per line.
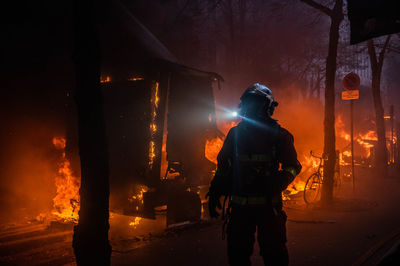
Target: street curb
<point x="364" y="260"/>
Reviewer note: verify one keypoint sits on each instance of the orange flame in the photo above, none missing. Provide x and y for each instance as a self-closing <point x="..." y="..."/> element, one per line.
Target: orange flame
<point x="135" y="78"/>
<point x="105" y="79"/>
<point x="362" y="139"/>
<point x="339" y="127"/>
<point x="66" y="201"/>
<point x="295" y="187"/>
<point x="155" y="100"/>
<point x="213" y="146"/>
<point x="135" y="222"/>
<point x="138" y="199"/>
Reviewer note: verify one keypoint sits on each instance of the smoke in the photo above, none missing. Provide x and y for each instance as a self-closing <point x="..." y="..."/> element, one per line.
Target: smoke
<point x="28" y="168"/>
<point x="304" y="120"/>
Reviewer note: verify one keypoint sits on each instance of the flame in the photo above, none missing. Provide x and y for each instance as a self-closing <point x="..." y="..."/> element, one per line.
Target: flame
<point x="339" y="127"/>
<point x="153" y="127"/>
<point x="310" y="162"/>
<point x="138" y="199"/>
<point x="213" y="146"/>
<point x="135" y="222"/>
<point x="136" y="78"/>
<point x="362" y="139"/>
<point x="295" y="187"/>
<point x="105" y="79"/>
<point x="155" y="100"/>
<point x="346" y="153"/>
<point x="139" y="195"/>
<point x="66" y="201"/>
<point x="152" y="153"/>
<point x="59" y="143"/>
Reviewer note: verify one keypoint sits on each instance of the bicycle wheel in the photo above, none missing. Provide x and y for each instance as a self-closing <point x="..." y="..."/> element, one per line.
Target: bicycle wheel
<point x="312" y="189"/>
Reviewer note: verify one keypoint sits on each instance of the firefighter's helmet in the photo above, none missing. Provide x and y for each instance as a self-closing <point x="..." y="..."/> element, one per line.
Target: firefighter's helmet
<point x="257" y="100"/>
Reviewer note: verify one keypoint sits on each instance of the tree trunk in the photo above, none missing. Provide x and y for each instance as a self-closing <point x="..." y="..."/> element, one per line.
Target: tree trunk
<point x="90" y="241"/>
<point x="381" y="156"/>
<point x="329" y="119"/>
<point x="381" y="152"/>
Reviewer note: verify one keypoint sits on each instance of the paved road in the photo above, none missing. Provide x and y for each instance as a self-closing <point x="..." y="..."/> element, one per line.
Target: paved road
<point x="316" y="236"/>
<point x="338" y="236"/>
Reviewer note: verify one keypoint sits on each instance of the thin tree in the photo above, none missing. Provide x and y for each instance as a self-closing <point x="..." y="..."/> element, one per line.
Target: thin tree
<point x="376" y="62"/>
<point x="336" y="16"/>
<point x="90" y="241"/>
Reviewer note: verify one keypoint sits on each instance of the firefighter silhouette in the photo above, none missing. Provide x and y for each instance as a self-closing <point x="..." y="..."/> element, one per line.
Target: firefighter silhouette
<point x="256" y="163"/>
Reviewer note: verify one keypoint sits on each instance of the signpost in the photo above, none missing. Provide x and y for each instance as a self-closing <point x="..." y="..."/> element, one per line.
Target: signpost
<point x="351" y="82"/>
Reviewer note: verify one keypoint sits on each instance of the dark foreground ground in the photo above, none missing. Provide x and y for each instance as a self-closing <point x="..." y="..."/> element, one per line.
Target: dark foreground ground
<point x="359" y="228"/>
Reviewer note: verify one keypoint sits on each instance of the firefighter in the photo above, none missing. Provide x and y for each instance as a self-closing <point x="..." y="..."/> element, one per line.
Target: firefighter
<point x="256" y="163"/>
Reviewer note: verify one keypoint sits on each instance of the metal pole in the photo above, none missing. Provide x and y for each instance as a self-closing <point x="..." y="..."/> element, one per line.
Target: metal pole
<point x="352" y="144"/>
<point x="392" y="125"/>
<point x="397" y="160"/>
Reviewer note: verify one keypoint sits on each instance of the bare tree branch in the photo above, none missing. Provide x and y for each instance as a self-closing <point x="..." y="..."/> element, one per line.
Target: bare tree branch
<point x="318" y="6"/>
<point x="372" y="53"/>
<point x="383" y="50"/>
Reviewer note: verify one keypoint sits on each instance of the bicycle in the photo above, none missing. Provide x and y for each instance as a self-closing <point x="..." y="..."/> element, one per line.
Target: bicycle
<point x="312" y="188"/>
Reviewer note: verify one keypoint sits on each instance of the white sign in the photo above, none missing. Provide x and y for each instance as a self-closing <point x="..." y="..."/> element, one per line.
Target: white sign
<point x="350" y="95"/>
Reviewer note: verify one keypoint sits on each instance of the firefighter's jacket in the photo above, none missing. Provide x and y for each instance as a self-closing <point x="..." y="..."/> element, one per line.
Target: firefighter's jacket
<point x="256" y="158"/>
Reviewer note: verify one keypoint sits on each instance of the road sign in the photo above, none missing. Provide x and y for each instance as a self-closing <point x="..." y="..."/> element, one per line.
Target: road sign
<point x="350" y="95"/>
<point x="351" y="81"/>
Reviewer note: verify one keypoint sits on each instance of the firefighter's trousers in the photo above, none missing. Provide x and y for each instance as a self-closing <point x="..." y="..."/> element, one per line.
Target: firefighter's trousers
<point x="270" y="224"/>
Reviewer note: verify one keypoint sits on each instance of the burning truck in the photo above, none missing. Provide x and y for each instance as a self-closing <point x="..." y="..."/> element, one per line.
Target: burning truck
<point x="161" y="127"/>
<point x="158" y="123"/>
<point x="159" y="118"/>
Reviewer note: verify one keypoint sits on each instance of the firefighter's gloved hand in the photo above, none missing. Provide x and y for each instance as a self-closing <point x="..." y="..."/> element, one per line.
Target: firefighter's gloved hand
<point x="213" y="204"/>
<point x="281" y="182"/>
